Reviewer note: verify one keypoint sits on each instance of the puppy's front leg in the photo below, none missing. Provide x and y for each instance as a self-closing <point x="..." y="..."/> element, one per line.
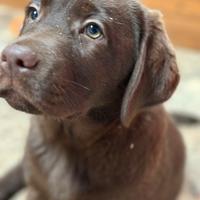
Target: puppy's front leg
<point x="12" y="182"/>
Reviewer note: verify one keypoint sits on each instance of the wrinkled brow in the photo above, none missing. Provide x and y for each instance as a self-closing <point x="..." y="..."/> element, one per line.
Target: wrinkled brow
<point x="37" y="2"/>
<point x="45" y="2"/>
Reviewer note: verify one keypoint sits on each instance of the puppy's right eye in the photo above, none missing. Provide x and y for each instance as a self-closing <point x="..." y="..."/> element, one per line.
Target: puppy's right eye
<point x="93" y="30"/>
<point x="32" y="13"/>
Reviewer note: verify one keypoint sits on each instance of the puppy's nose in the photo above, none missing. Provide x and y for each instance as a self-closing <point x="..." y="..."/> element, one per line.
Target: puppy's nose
<point x="20" y="56"/>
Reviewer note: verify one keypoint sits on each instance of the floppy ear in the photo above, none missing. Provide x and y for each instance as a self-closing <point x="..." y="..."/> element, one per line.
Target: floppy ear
<point x="155" y="75"/>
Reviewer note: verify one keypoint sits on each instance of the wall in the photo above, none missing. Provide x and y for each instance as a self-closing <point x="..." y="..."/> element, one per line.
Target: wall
<point x="14" y="3"/>
<point x="182" y="18"/>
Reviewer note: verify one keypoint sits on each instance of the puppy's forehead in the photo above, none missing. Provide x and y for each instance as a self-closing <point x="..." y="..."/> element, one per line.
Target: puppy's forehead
<point x="86" y="5"/>
<point x="104" y="10"/>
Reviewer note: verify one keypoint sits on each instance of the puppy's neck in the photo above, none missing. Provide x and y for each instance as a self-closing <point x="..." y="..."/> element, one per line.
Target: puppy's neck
<point x="78" y="133"/>
<point x="90" y="147"/>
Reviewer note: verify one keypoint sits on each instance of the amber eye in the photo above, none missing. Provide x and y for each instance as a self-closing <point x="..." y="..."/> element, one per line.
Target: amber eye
<point x="93" y="31"/>
<point x="33" y="13"/>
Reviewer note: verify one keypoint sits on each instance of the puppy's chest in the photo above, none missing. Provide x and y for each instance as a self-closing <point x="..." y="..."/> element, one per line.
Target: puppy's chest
<point x="63" y="174"/>
<point x="51" y="170"/>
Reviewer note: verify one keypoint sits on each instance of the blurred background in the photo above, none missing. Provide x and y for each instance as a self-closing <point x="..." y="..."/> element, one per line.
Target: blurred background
<point x="182" y="18"/>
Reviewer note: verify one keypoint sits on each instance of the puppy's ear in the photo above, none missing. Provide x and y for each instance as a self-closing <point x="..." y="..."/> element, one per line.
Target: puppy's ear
<point x="155" y="75"/>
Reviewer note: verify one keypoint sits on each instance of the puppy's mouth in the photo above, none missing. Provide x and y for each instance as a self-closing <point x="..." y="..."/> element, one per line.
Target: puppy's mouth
<point x="18" y="87"/>
<point x="10" y="94"/>
<point x="18" y="102"/>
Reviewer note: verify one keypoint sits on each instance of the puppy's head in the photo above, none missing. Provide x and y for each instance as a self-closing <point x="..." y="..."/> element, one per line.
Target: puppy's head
<point x="73" y="56"/>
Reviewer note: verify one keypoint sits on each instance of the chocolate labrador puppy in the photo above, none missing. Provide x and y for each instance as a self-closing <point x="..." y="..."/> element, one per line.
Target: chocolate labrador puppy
<point x="94" y="73"/>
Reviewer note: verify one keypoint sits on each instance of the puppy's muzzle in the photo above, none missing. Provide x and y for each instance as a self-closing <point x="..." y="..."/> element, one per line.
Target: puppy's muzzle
<point x="20" y="57"/>
<point x="15" y="61"/>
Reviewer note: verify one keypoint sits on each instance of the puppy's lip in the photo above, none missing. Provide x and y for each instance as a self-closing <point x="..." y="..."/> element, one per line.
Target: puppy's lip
<point x="3" y="93"/>
<point x="9" y="91"/>
<point x="5" y="77"/>
<point x="20" y="103"/>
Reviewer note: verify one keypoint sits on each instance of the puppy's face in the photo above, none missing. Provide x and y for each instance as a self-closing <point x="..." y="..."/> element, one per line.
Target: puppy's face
<point x="71" y="55"/>
<point x="76" y="55"/>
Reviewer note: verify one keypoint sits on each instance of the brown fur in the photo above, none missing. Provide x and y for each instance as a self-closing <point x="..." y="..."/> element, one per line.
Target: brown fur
<point x="100" y="131"/>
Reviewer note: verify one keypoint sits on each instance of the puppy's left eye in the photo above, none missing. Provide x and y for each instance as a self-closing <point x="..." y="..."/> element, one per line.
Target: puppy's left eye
<point x="93" y="31"/>
<point x="33" y="13"/>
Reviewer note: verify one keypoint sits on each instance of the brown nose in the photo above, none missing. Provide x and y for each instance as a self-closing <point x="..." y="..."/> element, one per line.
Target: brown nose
<point x="20" y="56"/>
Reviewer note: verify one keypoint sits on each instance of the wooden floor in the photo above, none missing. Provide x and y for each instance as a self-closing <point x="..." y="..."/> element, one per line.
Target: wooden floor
<point x="182" y="19"/>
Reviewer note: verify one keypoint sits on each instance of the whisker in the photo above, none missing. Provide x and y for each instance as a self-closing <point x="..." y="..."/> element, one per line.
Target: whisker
<point x="78" y="84"/>
<point x="66" y="92"/>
